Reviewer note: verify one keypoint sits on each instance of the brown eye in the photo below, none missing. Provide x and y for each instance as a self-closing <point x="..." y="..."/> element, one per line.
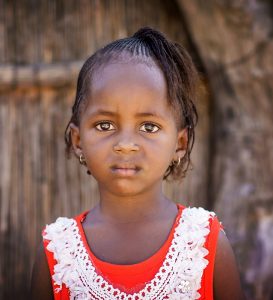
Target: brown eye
<point x="149" y="127"/>
<point x="104" y="126"/>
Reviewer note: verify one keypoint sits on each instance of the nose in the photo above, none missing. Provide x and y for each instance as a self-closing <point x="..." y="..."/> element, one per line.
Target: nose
<point x="126" y="146"/>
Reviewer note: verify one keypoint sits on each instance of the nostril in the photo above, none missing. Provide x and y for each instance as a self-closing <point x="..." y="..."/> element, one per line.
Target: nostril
<point x="127" y="147"/>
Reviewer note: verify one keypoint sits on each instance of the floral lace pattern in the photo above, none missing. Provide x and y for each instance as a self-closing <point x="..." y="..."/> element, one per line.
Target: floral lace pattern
<point x="179" y="277"/>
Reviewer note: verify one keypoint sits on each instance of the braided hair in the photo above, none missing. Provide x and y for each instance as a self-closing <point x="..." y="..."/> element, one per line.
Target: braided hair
<point x="148" y="46"/>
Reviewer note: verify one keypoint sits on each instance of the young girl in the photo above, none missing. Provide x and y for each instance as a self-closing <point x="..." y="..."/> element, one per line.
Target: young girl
<point x="132" y="126"/>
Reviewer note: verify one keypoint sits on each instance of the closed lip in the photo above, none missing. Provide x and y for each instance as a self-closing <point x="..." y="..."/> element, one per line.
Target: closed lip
<point x="126" y="166"/>
<point x="125" y="169"/>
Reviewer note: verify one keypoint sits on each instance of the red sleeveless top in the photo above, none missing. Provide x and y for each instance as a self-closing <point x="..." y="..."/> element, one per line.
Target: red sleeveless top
<point x="132" y="278"/>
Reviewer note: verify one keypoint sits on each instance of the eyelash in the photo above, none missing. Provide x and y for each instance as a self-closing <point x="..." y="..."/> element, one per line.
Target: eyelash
<point x="150" y="124"/>
<point x="110" y="124"/>
<point x="101" y="123"/>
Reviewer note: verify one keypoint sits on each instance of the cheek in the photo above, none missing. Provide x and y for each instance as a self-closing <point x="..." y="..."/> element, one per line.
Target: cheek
<point x="169" y="141"/>
<point x="91" y="141"/>
<point x="163" y="149"/>
<point x="94" y="149"/>
<point x="159" y="150"/>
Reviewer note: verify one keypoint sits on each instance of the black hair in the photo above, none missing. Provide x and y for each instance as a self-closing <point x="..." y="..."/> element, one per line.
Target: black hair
<point x="176" y="64"/>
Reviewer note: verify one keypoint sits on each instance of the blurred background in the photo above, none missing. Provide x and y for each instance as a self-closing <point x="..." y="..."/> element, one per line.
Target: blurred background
<point x="44" y="43"/>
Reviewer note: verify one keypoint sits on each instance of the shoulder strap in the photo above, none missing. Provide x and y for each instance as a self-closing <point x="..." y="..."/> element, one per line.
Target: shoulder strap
<point x="211" y="246"/>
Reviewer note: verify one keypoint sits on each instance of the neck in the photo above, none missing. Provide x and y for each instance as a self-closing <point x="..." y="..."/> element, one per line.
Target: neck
<point x="148" y="205"/>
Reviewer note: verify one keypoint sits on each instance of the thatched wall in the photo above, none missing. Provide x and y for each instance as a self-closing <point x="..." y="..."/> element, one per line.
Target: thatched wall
<point x="42" y="46"/>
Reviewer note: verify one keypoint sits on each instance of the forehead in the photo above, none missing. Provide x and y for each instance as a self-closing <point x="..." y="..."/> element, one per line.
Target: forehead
<point x="129" y="84"/>
<point x="136" y="74"/>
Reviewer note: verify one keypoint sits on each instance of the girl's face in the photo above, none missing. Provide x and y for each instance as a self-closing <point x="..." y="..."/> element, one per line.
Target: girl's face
<point x="127" y="133"/>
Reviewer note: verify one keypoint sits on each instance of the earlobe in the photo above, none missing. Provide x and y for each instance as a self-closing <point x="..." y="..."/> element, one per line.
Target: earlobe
<point x="75" y="139"/>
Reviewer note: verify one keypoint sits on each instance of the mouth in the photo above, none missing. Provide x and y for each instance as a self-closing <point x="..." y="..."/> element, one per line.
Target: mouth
<point x="125" y="169"/>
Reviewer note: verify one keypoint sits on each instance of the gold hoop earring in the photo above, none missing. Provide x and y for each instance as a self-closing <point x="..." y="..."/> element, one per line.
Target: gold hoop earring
<point x="179" y="160"/>
<point x="176" y="163"/>
<point x="83" y="162"/>
<point x="82" y="159"/>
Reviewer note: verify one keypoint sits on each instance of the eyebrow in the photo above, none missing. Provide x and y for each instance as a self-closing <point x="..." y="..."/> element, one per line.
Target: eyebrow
<point x="112" y="114"/>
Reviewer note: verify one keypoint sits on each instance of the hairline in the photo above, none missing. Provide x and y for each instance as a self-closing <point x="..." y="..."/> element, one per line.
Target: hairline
<point x="126" y="57"/>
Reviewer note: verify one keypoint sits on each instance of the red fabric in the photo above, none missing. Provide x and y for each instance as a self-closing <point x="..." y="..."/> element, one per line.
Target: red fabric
<point x="131" y="278"/>
<point x="206" y="290"/>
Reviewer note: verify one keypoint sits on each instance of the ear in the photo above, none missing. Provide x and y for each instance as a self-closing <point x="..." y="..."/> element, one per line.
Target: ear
<point x="75" y="139"/>
<point x="182" y="143"/>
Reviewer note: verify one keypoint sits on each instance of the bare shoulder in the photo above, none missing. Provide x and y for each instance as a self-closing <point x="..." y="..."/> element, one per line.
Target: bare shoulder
<point x="226" y="276"/>
<point x="41" y="287"/>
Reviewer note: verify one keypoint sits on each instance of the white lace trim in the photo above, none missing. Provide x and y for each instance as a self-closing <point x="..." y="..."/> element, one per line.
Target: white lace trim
<point x="178" y="278"/>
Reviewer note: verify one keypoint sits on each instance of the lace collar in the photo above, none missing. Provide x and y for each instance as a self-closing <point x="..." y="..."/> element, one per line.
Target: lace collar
<point x="136" y="268"/>
<point x="179" y="277"/>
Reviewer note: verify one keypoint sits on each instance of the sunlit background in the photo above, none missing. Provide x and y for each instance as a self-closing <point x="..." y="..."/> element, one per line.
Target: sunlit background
<point x="42" y="47"/>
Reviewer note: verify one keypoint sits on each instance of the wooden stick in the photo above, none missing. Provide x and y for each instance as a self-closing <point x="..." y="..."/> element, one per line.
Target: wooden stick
<point x="53" y="75"/>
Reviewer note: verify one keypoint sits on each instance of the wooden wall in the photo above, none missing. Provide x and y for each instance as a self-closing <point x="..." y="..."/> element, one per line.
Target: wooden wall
<point x="42" y="46"/>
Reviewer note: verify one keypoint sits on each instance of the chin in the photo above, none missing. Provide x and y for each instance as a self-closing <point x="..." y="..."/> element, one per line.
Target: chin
<point x="126" y="189"/>
<point x="126" y="192"/>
